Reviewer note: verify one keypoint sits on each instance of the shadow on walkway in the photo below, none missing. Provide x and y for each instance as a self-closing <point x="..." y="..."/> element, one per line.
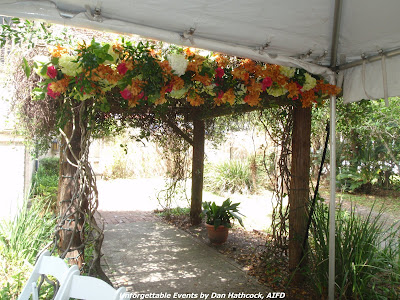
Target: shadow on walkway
<point x="148" y="256"/>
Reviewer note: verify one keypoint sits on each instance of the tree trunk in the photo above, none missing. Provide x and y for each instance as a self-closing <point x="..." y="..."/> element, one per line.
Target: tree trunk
<point x="197" y="171"/>
<point x="71" y="232"/>
<point x="299" y="190"/>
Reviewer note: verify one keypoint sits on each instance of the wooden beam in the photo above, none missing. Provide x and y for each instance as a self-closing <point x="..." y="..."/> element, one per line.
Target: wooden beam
<point x="197" y="171"/>
<point x="299" y="191"/>
<point x="178" y="131"/>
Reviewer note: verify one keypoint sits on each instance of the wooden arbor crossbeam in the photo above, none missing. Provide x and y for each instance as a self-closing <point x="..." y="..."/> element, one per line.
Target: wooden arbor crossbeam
<point x="197" y="115"/>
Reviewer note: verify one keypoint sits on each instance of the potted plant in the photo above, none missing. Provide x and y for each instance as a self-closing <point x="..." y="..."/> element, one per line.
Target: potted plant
<point x="218" y="219"/>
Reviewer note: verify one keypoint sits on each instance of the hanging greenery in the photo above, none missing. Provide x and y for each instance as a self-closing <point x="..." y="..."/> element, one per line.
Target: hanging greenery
<point x="155" y="75"/>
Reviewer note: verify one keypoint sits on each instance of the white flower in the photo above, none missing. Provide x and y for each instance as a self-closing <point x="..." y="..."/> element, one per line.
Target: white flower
<point x="310" y="82"/>
<point x="178" y="63"/>
<point x="287" y="71"/>
<point x="68" y="66"/>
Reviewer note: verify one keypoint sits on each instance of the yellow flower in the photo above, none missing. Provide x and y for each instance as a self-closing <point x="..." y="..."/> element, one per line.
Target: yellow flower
<point x="287" y="71"/>
<point x="276" y="91"/>
<point x="310" y="82"/>
<point x="68" y="66"/>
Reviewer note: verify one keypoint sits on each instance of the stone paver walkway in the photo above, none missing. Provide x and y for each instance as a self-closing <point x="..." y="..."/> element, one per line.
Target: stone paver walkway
<point x="151" y="257"/>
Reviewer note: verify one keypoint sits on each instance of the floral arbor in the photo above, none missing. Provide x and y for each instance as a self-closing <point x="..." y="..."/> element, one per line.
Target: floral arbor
<point x="95" y="82"/>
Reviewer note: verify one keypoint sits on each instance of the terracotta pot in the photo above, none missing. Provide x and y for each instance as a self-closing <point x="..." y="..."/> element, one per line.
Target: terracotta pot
<point x="217" y="236"/>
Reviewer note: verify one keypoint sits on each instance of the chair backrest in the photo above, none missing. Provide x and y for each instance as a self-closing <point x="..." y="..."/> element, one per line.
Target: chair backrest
<point x="88" y="288"/>
<point x="47" y="265"/>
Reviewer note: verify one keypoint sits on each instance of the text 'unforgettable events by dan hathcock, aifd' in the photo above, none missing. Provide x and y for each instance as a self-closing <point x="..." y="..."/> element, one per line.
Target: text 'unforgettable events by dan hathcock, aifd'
<point x="141" y="296"/>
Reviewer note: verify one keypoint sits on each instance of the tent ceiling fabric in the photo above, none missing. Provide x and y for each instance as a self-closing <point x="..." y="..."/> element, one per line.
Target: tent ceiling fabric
<point x="296" y="33"/>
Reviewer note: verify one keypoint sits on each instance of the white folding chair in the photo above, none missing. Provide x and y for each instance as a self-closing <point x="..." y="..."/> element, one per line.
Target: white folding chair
<point x="47" y="265"/>
<point x="88" y="288"/>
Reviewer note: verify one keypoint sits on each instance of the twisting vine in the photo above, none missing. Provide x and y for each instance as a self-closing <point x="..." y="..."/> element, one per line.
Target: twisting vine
<point x="278" y="126"/>
<point x="78" y="237"/>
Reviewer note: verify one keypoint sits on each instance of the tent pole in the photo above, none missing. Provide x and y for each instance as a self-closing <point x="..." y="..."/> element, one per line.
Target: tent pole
<point x="331" y="281"/>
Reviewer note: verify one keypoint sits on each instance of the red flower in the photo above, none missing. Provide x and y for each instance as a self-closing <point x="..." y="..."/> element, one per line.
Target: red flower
<point x="266" y="83"/>
<point x="219" y="72"/>
<point x="220" y="94"/>
<point x="122" y="69"/>
<point x="126" y="94"/>
<point x="51" y="93"/>
<point x="51" y="72"/>
<point x="140" y="96"/>
<point x="169" y="88"/>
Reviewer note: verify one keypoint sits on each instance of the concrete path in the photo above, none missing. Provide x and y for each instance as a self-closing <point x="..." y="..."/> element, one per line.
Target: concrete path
<point x="153" y="259"/>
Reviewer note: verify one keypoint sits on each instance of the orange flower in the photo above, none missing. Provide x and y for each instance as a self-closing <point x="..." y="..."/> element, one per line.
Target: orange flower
<point x="177" y="83"/>
<point x="308" y="98"/>
<point x="195" y="63"/>
<point x="252" y="99"/>
<point x="137" y="86"/>
<point x="61" y="85"/>
<point x="241" y="73"/>
<point x="189" y="52"/>
<point x="222" y="60"/>
<point x="57" y="51"/>
<point x="254" y="87"/>
<point x="227" y="97"/>
<point x="327" y="89"/>
<point x="162" y="99"/>
<point x="196" y="100"/>
<point x="203" y="79"/>
<point x="164" y="65"/>
<point x="293" y="89"/>
<point x="132" y="102"/>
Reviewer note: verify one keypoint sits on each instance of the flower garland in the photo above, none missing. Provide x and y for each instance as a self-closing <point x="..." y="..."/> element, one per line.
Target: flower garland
<point x="151" y="75"/>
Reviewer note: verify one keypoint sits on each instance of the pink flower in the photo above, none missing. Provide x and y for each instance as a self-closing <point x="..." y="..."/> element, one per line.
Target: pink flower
<point x="51" y="93"/>
<point x="140" y="96"/>
<point x="220" y="94"/>
<point x="122" y="69"/>
<point x="126" y="94"/>
<point x="219" y="72"/>
<point x="51" y="72"/>
<point x="266" y="83"/>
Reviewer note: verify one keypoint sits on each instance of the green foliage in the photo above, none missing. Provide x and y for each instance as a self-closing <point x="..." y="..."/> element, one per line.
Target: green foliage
<point x="175" y="211"/>
<point x="45" y="180"/>
<point x="218" y="215"/>
<point x="231" y="176"/>
<point x="368" y="143"/>
<point x="20" y="241"/>
<point x="28" y="32"/>
<point x="367" y="255"/>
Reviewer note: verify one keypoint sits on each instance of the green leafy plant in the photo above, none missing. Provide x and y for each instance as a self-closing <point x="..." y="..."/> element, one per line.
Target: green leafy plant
<point x="231" y="176"/>
<point x="45" y="181"/>
<point x="367" y="255"/>
<point x="218" y="215"/>
<point x="20" y="241"/>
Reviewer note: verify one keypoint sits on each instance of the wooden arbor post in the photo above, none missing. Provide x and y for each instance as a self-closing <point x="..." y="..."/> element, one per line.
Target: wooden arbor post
<point x="299" y="190"/>
<point x="197" y="170"/>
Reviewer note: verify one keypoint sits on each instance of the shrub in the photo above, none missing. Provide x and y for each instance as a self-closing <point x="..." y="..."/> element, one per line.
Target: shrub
<point x="230" y="176"/>
<point x="20" y="240"/>
<point x="367" y="255"/>
<point x="45" y="180"/>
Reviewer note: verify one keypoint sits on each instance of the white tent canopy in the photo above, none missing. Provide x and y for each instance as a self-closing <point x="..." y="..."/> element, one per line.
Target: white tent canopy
<point x="358" y="40"/>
